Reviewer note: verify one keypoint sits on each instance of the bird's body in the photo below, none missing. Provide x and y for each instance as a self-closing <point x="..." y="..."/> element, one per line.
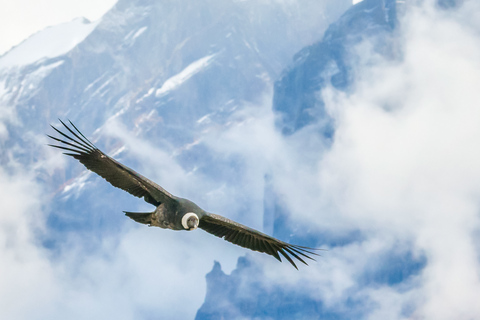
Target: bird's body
<point x="168" y="215"/>
<point x="172" y="212"/>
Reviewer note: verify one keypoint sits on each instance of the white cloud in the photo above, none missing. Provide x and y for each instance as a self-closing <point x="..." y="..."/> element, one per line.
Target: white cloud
<point x="406" y="159"/>
<point x="25" y="267"/>
<point x="404" y="169"/>
<point x="134" y="273"/>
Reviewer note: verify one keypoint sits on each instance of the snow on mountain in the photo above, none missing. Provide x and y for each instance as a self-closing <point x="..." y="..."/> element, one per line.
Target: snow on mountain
<point x="176" y="80"/>
<point x="49" y="43"/>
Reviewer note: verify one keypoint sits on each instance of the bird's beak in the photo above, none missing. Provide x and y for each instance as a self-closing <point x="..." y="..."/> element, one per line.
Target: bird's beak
<point x="192" y="223"/>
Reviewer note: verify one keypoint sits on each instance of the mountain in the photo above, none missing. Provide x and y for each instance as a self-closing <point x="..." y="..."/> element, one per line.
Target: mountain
<point x="225" y="102"/>
<point x="170" y="69"/>
<point x="298" y="103"/>
<point x="329" y="62"/>
<point x="149" y="82"/>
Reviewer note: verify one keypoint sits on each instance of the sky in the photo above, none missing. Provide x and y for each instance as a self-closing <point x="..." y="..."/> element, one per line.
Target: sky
<point x="20" y="19"/>
<point x="403" y="169"/>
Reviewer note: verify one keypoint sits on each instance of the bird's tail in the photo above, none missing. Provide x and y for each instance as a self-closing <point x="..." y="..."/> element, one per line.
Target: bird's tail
<point x="141" y="217"/>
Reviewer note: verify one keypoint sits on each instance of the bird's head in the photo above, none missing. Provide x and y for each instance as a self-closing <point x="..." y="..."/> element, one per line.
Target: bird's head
<point x="190" y="221"/>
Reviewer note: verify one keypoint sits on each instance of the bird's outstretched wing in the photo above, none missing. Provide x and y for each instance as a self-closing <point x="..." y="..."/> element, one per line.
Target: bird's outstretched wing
<point x="120" y="176"/>
<point x="249" y="238"/>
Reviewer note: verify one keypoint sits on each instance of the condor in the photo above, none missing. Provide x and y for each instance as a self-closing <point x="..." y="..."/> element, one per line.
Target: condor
<point x="171" y="212"/>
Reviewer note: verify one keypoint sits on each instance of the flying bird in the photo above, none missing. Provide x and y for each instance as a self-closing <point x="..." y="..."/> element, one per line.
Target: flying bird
<point x="171" y="212"/>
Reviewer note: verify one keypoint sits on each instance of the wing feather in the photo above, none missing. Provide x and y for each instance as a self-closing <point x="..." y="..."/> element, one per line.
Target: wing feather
<point x="118" y="175"/>
<point x="249" y="238"/>
<point x="273" y="251"/>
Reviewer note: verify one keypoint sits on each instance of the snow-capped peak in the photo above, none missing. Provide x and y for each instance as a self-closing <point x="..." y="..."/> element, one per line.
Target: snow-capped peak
<point x="48" y="43"/>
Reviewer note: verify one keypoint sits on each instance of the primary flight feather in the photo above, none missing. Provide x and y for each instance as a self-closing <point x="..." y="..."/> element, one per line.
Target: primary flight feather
<point x="171" y="212"/>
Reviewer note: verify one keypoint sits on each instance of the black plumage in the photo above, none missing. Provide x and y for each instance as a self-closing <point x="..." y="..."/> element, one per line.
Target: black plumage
<point x="171" y="212"/>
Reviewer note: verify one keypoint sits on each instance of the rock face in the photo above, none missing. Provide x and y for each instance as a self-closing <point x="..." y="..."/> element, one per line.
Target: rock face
<point x="169" y="58"/>
<point x="224" y="300"/>
<point x="329" y="63"/>
<point x="243" y="294"/>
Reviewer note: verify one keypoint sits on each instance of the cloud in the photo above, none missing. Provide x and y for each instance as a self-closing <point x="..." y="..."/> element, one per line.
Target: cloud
<point x="403" y="170"/>
<point x="139" y="272"/>
<point x="25" y="267"/>
<point x="405" y="162"/>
